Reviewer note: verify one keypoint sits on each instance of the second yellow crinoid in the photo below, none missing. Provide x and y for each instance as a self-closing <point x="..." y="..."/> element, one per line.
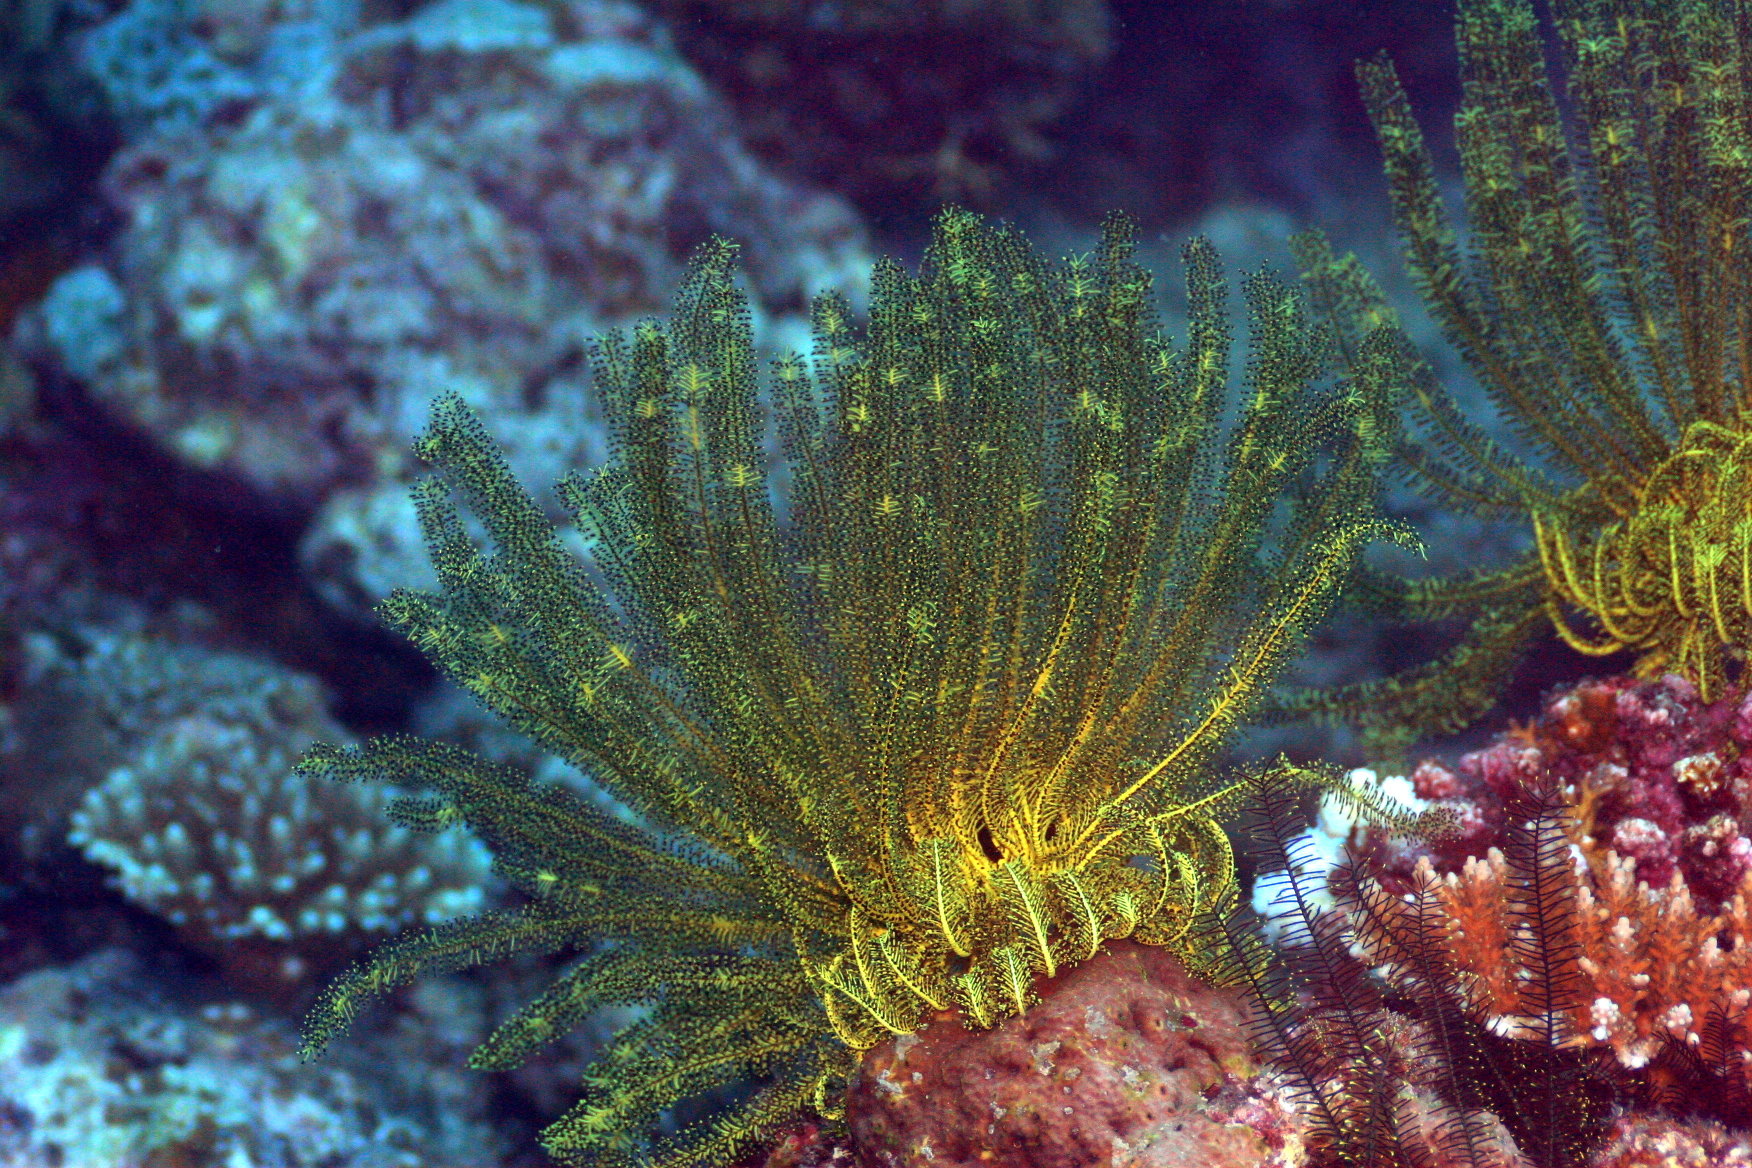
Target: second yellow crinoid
<point x="902" y="711"/>
<point x="1603" y="298"/>
<point x="1672" y="578"/>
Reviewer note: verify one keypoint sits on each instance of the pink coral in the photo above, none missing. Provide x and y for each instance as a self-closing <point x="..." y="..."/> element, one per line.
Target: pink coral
<point x="1651" y="1141"/>
<point x="1656" y="774"/>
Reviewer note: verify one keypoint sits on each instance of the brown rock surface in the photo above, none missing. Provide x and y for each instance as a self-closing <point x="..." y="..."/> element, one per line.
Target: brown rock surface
<point x="1126" y="1062"/>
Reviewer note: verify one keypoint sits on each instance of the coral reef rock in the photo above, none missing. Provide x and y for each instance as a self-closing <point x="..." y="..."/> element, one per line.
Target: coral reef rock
<point x="1126" y="1061"/>
<point x="985" y="95"/>
<point x="97" y="1072"/>
<point x="1653" y="1141"/>
<point x="324" y="221"/>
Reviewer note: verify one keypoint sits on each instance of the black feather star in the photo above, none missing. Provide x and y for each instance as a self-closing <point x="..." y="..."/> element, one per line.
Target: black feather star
<point x="1365" y="1009"/>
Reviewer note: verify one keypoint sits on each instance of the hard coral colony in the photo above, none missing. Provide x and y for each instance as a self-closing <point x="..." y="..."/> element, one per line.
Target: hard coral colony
<point x="926" y="711"/>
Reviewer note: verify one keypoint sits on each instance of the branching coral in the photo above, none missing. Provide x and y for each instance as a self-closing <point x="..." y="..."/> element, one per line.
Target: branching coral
<point x="1654" y="969"/>
<point x="1374" y="1014"/>
<point x="1588" y="924"/>
<point x="203" y="820"/>
<point x="1602" y="301"/>
<point x="944" y="729"/>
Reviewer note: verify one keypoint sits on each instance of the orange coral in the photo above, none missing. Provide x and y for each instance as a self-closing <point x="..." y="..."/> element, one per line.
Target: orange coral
<point x="1646" y="967"/>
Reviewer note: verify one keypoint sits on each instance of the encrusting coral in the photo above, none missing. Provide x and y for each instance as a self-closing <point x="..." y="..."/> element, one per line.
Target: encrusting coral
<point x="104" y="1065"/>
<point x="1657" y="774"/>
<point x="1601" y="299"/>
<point x="945" y="729"/>
<point x="1126" y="1060"/>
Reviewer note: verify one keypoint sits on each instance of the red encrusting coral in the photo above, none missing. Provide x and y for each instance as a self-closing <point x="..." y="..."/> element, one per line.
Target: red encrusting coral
<point x="1126" y="1060"/>
<point x="1656" y="774"/>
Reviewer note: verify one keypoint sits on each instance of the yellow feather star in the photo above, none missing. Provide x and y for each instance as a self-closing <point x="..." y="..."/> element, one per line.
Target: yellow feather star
<point x="931" y="722"/>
